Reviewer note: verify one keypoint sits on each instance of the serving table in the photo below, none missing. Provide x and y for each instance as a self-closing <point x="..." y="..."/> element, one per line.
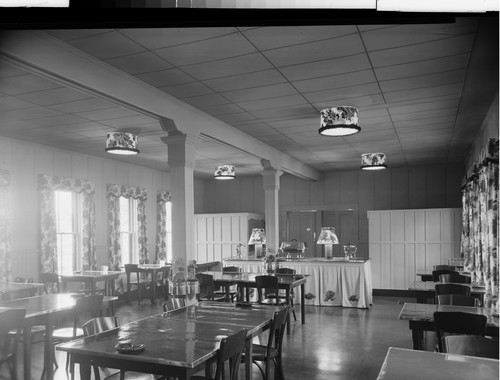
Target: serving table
<point x="420" y="317"/>
<point x="331" y="282"/>
<point x="46" y="309"/>
<point x="402" y="363"/>
<point x="91" y="277"/>
<point x="178" y="343"/>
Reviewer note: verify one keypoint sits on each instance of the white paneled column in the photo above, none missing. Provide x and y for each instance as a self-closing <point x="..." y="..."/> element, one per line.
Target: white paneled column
<point x="181" y="161"/>
<point x="271" y="182"/>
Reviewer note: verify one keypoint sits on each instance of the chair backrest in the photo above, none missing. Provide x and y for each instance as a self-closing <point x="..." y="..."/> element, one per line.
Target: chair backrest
<point x="444" y="267"/>
<point x="471" y="345"/>
<point x="457" y="300"/>
<point x="277" y="330"/>
<point x="88" y="306"/>
<point x="230" y="351"/>
<point x="51" y="282"/>
<point x="174" y="303"/>
<point x="10" y="320"/>
<point x="231" y="269"/>
<point x="99" y="325"/>
<point x="452" y="289"/>
<point x="268" y="284"/>
<point x="456" y="278"/>
<point x="437" y="272"/>
<point x="206" y="285"/>
<point x="457" y="322"/>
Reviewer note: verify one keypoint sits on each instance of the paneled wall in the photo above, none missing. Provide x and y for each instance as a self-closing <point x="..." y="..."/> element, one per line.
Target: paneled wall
<point x="403" y="242"/>
<point x="26" y="161"/>
<point x="433" y="186"/>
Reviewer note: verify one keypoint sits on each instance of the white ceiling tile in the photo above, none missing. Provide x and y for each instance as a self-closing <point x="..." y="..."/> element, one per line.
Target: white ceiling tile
<point x="107" y="113"/>
<point x="277" y="36"/>
<point x="316" y="51"/>
<point x="28" y="113"/>
<point x="187" y="89"/>
<point x="129" y="121"/>
<point x="82" y="105"/>
<point x="212" y="49"/>
<point x="263" y="104"/>
<point x="344" y="92"/>
<point x="335" y="81"/>
<point x="223" y="109"/>
<point x="54" y="96"/>
<point x="242" y="81"/>
<point x="206" y="100"/>
<point x="236" y="117"/>
<point x="143" y="62"/>
<point x="8" y="103"/>
<point x="456" y="76"/>
<point x="424" y="93"/>
<point x="165" y="78"/>
<point x="271" y="91"/>
<point x="59" y="120"/>
<point x="25" y="83"/>
<point x="73" y="34"/>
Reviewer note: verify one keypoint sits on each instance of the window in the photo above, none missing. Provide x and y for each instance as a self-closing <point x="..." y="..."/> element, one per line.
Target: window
<point x="129" y="230"/>
<point x="168" y="230"/>
<point x="68" y="230"/>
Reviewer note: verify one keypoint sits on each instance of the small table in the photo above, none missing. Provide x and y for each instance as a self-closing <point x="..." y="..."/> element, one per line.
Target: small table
<point x="177" y="344"/>
<point x="423" y="290"/>
<point x="401" y="363"/>
<point x="91" y="277"/>
<point x="153" y="269"/>
<point x="43" y="310"/>
<point x="421" y="318"/>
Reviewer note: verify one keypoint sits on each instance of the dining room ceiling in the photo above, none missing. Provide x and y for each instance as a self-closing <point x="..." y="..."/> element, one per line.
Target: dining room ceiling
<point x="422" y="90"/>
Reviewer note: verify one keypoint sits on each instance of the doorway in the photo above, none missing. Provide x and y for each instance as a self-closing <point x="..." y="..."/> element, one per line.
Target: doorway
<point x="301" y="225"/>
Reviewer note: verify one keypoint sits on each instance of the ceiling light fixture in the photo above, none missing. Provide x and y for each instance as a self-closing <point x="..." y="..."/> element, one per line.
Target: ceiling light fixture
<point x="373" y="161"/>
<point x="225" y="172"/>
<point x="121" y="143"/>
<point x="339" y="121"/>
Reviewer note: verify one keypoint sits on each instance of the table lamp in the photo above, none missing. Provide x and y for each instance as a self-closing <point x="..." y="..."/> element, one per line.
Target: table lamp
<point x="327" y="237"/>
<point x="258" y="238"/>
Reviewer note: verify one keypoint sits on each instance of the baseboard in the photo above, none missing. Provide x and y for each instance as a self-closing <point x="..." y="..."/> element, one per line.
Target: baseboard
<point x="392" y="293"/>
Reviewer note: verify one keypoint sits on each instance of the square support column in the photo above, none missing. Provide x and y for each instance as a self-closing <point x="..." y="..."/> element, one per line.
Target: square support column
<point x="271" y="182"/>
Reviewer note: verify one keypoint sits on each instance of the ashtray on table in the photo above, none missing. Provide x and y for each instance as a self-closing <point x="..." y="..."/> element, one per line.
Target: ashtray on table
<point x="129" y="348"/>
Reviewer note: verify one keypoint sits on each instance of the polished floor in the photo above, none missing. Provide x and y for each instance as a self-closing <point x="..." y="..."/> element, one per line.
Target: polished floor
<point x="335" y="343"/>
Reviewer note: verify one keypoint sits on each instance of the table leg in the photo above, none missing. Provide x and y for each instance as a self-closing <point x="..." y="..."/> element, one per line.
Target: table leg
<point x="49" y="349"/>
<point x="302" y="304"/>
<point x="287" y="291"/>
<point x="153" y="286"/>
<point x="227" y="297"/>
<point x="27" y="351"/>
<point x="85" y="369"/>
<point x="248" y="358"/>
<point x="417" y="335"/>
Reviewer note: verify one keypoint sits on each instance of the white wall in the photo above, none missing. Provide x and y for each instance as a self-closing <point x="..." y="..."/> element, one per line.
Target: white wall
<point x="25" y="161"/>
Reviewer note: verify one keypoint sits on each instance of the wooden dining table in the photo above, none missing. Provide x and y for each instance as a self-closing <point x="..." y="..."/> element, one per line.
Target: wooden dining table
<point x="178" y="343"/>
<point x="245" y="281"/>
<point x="46" y="310"/>
<point x="422" y="290"/>
<point x="11" y="289"/>
<point x="90" y="277"/>
<point x="402" y="363"/>
<point x="420" y="317"/>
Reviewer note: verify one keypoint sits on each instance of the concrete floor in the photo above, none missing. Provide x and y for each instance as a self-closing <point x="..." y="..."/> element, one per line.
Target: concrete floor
<point x="335" y="343"/>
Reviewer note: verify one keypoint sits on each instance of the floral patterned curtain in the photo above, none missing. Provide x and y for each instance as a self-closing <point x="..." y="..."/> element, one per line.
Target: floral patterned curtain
<point x="4" y="227"/>
<point x="114" y="192"/>
<point x="161" y="224"/>
<point x="47" y="186"/>
<point x="480" y="224"/>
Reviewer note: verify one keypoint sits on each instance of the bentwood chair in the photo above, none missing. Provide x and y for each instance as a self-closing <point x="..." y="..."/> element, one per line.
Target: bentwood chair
<point x="51" y="282"/>
<point x="444" y="267"/>
<point x="449" y="288"/>
<point x="471" y="345"/>
<point x="207" y="291"/>
<point x="264" y="356"/>
<point x="136" y="279"/>
<point x="233" y="289"/>
<point x="457" y="322"/>
<point x="102" y="324"/>
<point x="230" y="353"/>
<point x="438" y="272"/>
<point x="456" y="278"/>
<point x="10" y="321"/>
<point x="288" y="271"/>
<point x="457" y="300"/>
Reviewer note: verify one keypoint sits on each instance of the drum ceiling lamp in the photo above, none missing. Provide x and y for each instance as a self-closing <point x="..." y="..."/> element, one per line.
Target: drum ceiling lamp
<point x="339" y="121"/>
<point x="121" y="143"/>
<point x="373" y="161"/>
<point x="328" y="238"/>
<point x="225" y="172"/>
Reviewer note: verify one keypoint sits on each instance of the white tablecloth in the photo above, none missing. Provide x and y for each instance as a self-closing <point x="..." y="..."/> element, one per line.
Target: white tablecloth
<point x="331" y="283"/>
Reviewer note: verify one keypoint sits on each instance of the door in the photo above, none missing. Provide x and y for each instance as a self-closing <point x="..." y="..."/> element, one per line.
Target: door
<point x="341" y="221"/>
<point x="302" y="227"/>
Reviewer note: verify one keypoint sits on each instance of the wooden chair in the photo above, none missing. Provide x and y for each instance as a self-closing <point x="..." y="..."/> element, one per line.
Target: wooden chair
<point x="102" y="324"/>
<point x="10" y="320"/>
<point x="437" y="272"/>
<point x="207" y="288"/>
<point x="288" y="271"/>
<point x="456" y="278"/>
<point x="84" y="306"/>
<point x="457" y="300"/>
<point x="161" y="280"/>
<point x="137" y="278"/>
<point x="471" y="345"/>
<point x="230" y="352"/>
<point x="267" y="288"/>
<point x="444" y="267"/>
<point x="456" y="322"/>
<point x="51" y="282"/>
<point x="265" y="355"/>
<point x="452" y="289"/>
<point x="233" y="289"/>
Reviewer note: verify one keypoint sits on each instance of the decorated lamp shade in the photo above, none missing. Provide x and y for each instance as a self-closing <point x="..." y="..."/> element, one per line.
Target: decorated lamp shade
<point x="224" y="172"/>
<point x="373" y="161"/>
<point x="327" y="236"/>
<point x="121" y="143"/>
<point x="258" y="236"/>
<point x="339" y="121"/>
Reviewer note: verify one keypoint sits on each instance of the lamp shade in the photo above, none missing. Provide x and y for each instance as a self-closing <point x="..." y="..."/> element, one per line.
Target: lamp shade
<point x="339" y="121"/>
<point x="224" y="172"/>
<point x="121" y="143"/>
<point x="327" y="236"/>
<point x="258" y="236"/>
<point x="373" y="161"/>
